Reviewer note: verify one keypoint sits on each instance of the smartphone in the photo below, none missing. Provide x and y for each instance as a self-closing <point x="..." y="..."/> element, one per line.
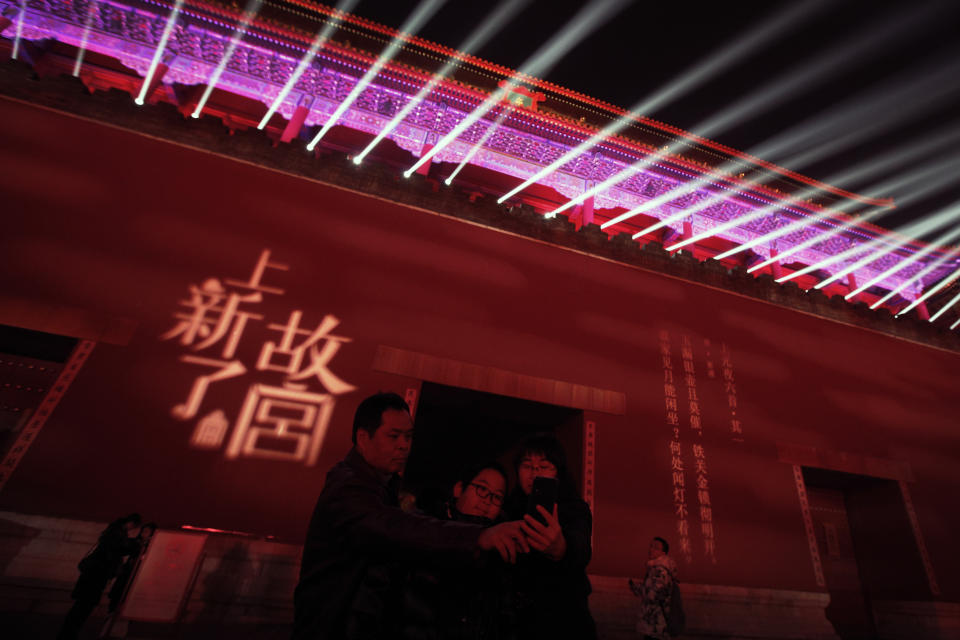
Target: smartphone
<point x="544" y="493"/>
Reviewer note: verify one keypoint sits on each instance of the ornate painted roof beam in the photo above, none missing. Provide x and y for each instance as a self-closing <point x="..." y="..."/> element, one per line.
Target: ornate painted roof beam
<point x="527" y="141"/>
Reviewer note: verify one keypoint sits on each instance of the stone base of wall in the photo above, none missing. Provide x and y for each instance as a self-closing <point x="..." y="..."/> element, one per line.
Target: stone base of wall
<point x="899" y="620"/>
<point x="244" y="590"/>
<point x="715" y="611"/>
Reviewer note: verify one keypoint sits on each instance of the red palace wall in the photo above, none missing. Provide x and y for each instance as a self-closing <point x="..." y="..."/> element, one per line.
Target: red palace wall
<point x="119" y="226"/>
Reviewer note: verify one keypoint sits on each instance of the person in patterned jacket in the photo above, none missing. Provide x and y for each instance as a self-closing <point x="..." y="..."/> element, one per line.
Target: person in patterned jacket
<point x="654" y="592"/>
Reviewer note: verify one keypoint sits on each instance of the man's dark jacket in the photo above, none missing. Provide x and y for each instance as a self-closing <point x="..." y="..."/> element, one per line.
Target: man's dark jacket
<point x="357" y="539"/>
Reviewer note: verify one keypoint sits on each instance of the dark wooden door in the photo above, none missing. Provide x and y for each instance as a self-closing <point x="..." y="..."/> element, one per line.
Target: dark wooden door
<point x="849" y="611"/>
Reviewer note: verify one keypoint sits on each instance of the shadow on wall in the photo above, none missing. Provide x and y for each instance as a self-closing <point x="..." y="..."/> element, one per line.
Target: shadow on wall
<point x="220" y="589"/>
<point x="243" y="591"/>
<point x="15" y="537"/>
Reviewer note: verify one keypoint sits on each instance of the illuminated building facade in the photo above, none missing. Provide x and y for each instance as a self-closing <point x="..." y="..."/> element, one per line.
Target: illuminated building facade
<point x="233" y="297"/>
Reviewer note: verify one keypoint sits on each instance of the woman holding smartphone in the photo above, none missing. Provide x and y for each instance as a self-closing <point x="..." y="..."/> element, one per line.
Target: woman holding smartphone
<point x="551" y="581"/>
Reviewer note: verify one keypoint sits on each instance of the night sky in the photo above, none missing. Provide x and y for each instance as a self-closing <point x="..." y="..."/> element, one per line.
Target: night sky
<point x="897" y="63"/>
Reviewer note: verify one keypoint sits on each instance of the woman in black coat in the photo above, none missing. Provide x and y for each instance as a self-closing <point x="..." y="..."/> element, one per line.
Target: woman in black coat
<point x="551" y="581"/>
<point x="119" y="589"/>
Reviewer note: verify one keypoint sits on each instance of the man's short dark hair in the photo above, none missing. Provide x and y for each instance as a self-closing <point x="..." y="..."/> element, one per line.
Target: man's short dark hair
<point x="663" y="543"/>
<point x="369" y="415"/>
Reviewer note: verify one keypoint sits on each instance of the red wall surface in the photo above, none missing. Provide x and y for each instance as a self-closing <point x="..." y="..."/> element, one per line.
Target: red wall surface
<point x="121" y="225"/>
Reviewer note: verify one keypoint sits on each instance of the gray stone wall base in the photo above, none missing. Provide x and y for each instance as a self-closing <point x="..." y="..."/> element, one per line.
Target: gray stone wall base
<point x="899" y="620"/>
<point x="246" y="585"/>
<point x="717" y="611"/>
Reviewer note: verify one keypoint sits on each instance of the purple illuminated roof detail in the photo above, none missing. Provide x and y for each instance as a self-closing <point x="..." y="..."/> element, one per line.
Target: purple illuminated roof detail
<point x="130" y="31"/>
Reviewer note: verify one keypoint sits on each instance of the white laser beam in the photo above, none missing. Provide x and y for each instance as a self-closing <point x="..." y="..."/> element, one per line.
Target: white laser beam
<point x="944" y="308"/>
<point x="164" y="38"/>
<point x="15" y="53"/>
<point x="940" y="241"/>
<point x="344" y="6"/>
<point x="689" y="79"/>
<point x="252" y="9"/>
<point x="577" y="28"/>
<point x="424" y="11"/>
<point x="480" y="36"/>
<point x="931" y="291"/>
<point x="87" y="24"/>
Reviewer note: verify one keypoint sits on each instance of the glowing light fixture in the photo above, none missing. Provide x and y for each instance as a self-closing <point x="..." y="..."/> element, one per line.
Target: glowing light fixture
<point x="843" y="126"/>
<point x="920" y="148"/>
<point x="915" y="229"/>
<point x="479" y="144"/>
<point x="344" y="6"/>
<point x="617" y="178"/>
<point x="424" y="11"/>
<point x="875" y="166"/>
<point x="944" y="308"/>
<point x="252" y="9"/>
<point x="919" y="229"/>
<point x="729" y="224"/>
<point x="750" y="217"/>
<point x="87" y="24"/>
<point x="919" y="175"/>
<point x="931" y="291"/>
<point x="924" y="175"/>
<point x="672" y="194"/>
<point x="930" y="268"/>
<point x="164" y="38"/>
<point x="809" y="242"/>
<point x="611" y="129"/>
<point x="577" y="28"/>
<point x="906" y="262"/>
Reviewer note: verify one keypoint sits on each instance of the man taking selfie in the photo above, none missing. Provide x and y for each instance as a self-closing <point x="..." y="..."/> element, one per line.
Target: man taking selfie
<point x="352" y="571"/>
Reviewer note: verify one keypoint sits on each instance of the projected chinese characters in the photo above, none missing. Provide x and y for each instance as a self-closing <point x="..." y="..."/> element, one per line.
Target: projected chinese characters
<point x="291" y="390"/>
<point x="677" y="471"/>
<point x="730" y="388"/>
<point x="697" y="504"/>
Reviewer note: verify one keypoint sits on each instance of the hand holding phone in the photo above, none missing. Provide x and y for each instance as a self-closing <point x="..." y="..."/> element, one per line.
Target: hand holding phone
<point x="544" y="494"/>
<point x="541" y="523"/>
<point x="545" y="537"/>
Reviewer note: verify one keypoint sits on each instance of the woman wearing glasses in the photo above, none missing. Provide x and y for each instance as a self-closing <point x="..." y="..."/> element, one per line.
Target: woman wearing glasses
<point x="478" y="495"/>
<point x="465" y="601"/>
<point x="551" y="581"/>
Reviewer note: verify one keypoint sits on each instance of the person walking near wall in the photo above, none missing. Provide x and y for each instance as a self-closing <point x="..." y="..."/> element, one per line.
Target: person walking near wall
<point x="97" y="568"/>
<point x="119" y="589"/>
<point x="661" y="613"/>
